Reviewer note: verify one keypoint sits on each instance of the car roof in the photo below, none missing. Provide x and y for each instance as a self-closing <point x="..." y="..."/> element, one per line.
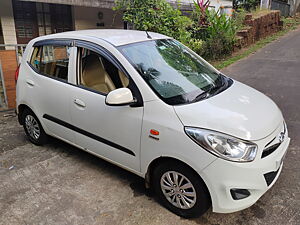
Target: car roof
<point x="116" y="37"/>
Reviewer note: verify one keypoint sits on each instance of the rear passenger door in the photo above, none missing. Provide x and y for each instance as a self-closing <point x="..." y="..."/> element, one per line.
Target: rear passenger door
<point x="50" y="63"/>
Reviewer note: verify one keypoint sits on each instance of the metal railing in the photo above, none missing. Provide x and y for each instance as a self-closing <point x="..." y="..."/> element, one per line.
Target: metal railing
<point x="19" y="48"/>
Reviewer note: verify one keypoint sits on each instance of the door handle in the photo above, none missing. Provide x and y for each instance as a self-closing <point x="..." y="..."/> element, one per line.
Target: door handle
<point x="79" y="103"/>
<point x="30" y="82"/>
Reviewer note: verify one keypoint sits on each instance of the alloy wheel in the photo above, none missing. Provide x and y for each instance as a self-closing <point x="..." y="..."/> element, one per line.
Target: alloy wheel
<point x="178" y="190"/>
<point x="32" y="127"/>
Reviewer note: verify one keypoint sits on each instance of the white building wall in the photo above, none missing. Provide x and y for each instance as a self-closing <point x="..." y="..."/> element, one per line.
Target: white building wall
<point x="87" y="18"/>
<point x="8" y="23"/>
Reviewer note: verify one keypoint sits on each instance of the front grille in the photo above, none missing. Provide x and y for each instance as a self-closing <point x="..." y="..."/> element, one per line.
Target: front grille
<point x="279" y="138"/>
<point x="270" y="150"/>
<point x="269" y="177"/>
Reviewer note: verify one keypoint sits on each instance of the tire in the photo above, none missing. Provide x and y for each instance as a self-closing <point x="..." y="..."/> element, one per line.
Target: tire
<point x="33" y="128"/>
<point x="193" y="190"/>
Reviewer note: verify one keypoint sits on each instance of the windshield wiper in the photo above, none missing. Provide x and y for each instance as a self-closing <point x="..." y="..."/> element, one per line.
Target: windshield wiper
<point x="201" y="96"/>
<point x="212" y="90"/>
<point x="220" y="85"/>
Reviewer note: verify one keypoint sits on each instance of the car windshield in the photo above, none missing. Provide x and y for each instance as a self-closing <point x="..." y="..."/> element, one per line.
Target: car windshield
<point x="174" y="72"/>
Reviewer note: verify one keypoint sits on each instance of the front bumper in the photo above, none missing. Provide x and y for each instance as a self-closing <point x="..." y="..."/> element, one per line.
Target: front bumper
<point x="257" y="177"/>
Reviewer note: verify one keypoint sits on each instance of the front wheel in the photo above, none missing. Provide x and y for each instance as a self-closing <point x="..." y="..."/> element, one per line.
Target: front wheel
<point x="33" y="128"/>
<point x="180" y="189"/>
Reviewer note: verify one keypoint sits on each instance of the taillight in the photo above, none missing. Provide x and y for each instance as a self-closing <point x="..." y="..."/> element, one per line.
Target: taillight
<point x="17" y="73"/>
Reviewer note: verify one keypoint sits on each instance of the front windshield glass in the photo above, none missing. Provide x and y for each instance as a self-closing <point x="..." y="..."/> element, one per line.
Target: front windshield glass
<point x="174" y="72"/>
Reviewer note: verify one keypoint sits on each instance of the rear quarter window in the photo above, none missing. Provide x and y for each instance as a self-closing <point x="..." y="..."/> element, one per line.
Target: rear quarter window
<point x="36" y="57"/>
<point x="51" y="61"/>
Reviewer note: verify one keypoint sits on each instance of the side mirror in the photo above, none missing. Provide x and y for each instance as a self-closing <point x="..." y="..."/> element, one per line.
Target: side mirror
<point x="120" y="96"/>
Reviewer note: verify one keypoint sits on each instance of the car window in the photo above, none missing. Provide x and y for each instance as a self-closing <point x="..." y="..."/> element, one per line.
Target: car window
<point x="52" y="61"/>
<point x="98" y="73"/>
<point x="36" y="58"/>
<point x="175" y="73"/>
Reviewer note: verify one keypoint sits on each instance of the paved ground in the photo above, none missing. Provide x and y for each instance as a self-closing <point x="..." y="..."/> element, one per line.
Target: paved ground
<point x="59" y="184"/>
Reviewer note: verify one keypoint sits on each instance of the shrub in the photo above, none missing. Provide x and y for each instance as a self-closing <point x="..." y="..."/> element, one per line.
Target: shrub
<point x="200" y="11"/>
<point x="197" y="45"/>
<point x="208" y="33"/>
<point x="159" y="16"/>
<point x="216" y="29"/>
<point x="155" y="15"/>
<point x="200" y="19"/>
<point x="239" y="18"/>
<point x="221" y="34"/>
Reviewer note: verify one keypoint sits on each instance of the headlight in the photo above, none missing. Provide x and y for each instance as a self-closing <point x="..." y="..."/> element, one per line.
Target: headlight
<point x="224" y="146"/>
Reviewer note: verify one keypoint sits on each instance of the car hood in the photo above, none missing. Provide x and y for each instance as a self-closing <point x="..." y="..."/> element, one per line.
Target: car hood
<point x="240" y="111"/>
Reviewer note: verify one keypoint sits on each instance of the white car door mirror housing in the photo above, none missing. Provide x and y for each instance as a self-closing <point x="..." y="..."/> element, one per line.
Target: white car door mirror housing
<point x="120" y="96"/>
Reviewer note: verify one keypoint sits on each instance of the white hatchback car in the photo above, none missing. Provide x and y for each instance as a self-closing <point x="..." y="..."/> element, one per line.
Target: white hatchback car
<point x="147" y="103"/>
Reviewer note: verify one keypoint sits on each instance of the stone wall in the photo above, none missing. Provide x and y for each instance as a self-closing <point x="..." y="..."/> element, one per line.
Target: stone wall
<point x="258" y="27"/>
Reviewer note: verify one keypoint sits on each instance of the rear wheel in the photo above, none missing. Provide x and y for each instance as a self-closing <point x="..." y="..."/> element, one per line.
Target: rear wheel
<point x="180" y="189"/>
<point x="33" y="128"/>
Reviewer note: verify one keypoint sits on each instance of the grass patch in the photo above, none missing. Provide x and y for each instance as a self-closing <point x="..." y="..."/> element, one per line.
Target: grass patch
<point x="289" y="24"/>
<point x="260" y="12"/>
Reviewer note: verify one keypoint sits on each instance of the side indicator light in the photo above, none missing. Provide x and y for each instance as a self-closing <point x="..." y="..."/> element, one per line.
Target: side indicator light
<point x="154" y="132"/>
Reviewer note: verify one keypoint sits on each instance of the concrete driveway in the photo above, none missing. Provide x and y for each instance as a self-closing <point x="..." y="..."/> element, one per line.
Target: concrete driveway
<point x="59" y="184"/>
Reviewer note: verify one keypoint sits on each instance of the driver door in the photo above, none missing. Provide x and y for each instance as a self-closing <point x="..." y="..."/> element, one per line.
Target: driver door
<point x="111" y="132"/>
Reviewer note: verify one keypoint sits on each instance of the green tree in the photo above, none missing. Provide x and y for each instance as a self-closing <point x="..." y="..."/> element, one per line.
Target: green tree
<point x="157" y="16"/>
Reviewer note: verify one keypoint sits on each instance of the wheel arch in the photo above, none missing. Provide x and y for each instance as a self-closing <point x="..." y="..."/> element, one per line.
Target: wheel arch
<point x="163" y="159"/>
<point x="21" y="109"/>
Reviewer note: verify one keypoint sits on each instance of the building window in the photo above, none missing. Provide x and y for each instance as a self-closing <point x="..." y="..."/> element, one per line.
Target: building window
<point x="25" y="21"/>
<point x="43" y="18"/>
<point x="37" y="19"/>
<point x="53" y="18"/>
<point x="61" y="18"/>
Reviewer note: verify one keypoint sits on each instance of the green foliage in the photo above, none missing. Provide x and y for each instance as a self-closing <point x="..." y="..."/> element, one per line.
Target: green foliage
<point x="218" y="33"/>
<point x="197" y="45"/>
<point x="200" y="19"/>
<point x="239" y="18"/>
<point x="289" y="25"/>
<point x="159" y="16"/>
<point x="207" y="32"/>
<point x="155" y="15"/>
<point x="201" y="7"/>
<point x="221" y="34"/>
<point x="246" y="4"/>
<point x="216" y="29"/>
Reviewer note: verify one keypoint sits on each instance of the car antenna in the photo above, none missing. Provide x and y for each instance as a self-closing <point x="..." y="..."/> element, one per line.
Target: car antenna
<point x="148" y="36"/>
